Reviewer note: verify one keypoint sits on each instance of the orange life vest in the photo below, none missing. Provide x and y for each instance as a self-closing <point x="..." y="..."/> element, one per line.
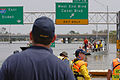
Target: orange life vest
<point x="76" y="67"/>
<point x="116" y="70"/>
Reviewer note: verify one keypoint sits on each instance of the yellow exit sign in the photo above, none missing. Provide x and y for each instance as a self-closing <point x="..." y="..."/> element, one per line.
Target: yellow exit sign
<point x="72" y="21"/>
<point x="118" y="44"/>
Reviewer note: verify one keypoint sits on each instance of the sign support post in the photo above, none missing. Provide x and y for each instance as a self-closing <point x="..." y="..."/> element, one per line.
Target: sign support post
<point x="118" y="32"/>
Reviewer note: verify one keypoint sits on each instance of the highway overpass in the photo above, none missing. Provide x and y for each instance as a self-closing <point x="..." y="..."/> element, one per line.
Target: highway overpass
<point x="63" y="36"/>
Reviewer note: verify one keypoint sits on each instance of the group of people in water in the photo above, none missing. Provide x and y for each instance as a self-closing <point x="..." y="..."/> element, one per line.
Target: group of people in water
<point x="97" y="45"/>
<point x="79" y="65"/>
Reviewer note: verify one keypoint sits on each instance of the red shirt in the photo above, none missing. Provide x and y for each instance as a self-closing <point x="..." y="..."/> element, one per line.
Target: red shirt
<point x="85" y="41"/>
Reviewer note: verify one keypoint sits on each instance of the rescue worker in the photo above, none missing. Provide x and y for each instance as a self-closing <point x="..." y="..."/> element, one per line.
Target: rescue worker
<point x="100" y="46"/>
<point x="103" y="45"/>
<point x="115" y="69"/>
<point x="79" y="67"/>
<point x="95" y="46"/>
<point x="64" y="56"/>
<point x="86" y="44"/>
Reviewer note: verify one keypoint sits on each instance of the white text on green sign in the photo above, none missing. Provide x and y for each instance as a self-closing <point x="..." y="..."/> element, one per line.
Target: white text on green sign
<point x="11" y="15"/>
<point x="71" y="10"/>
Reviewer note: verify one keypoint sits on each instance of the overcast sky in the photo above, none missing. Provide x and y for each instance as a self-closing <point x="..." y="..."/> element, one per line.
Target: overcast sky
<point x="49" y="5"/>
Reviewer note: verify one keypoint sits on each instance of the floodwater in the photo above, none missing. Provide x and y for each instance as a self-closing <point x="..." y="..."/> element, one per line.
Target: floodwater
<point x="96" y="61"/>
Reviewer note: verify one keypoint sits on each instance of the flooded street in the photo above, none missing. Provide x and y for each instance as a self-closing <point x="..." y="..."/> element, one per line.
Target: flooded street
<point x="99" y="61"/>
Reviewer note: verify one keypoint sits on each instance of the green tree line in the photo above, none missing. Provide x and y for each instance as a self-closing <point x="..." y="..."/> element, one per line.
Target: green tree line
<point x="112" y="34"/>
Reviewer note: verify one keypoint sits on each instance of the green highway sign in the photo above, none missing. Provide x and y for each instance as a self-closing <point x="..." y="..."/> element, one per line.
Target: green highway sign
<point x="11" y="15"/>
<point x="72" y="13"/>
<point x="52" y="44"/>
<point x="81" y="1"/>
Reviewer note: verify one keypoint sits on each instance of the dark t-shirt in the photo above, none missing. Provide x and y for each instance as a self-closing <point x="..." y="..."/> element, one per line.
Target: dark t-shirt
<point x="35" y="63"/>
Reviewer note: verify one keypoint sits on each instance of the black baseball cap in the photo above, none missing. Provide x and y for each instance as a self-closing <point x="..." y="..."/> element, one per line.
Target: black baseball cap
<point x="43" y="27"/>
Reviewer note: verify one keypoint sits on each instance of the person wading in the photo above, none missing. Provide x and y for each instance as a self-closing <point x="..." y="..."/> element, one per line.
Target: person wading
<point x="85" y="44"/>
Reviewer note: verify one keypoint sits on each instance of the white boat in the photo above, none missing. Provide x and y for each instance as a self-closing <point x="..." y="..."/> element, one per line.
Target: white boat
<point x="96" y="51"/>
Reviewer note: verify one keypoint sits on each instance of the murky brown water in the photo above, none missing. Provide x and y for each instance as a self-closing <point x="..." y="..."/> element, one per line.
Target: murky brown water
<point x="98" y="61"/>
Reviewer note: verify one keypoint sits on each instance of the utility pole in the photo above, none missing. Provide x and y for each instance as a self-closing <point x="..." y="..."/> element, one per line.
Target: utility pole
<point x="107" y="29"/>
<point x="96" y="31"/>
<point x="10" y="34"/>
<point x="96" y="27"/>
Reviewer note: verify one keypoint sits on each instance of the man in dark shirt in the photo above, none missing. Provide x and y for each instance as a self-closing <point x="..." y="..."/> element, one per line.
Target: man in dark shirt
<point x="37" y="62"/>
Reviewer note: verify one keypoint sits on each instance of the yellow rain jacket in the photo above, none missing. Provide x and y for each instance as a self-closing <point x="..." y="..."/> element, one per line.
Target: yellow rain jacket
<point x="101" y="45"/>
<point x="79" y="68"/>
<point x="96" y="46"/>
<point x="62" y="58"/>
